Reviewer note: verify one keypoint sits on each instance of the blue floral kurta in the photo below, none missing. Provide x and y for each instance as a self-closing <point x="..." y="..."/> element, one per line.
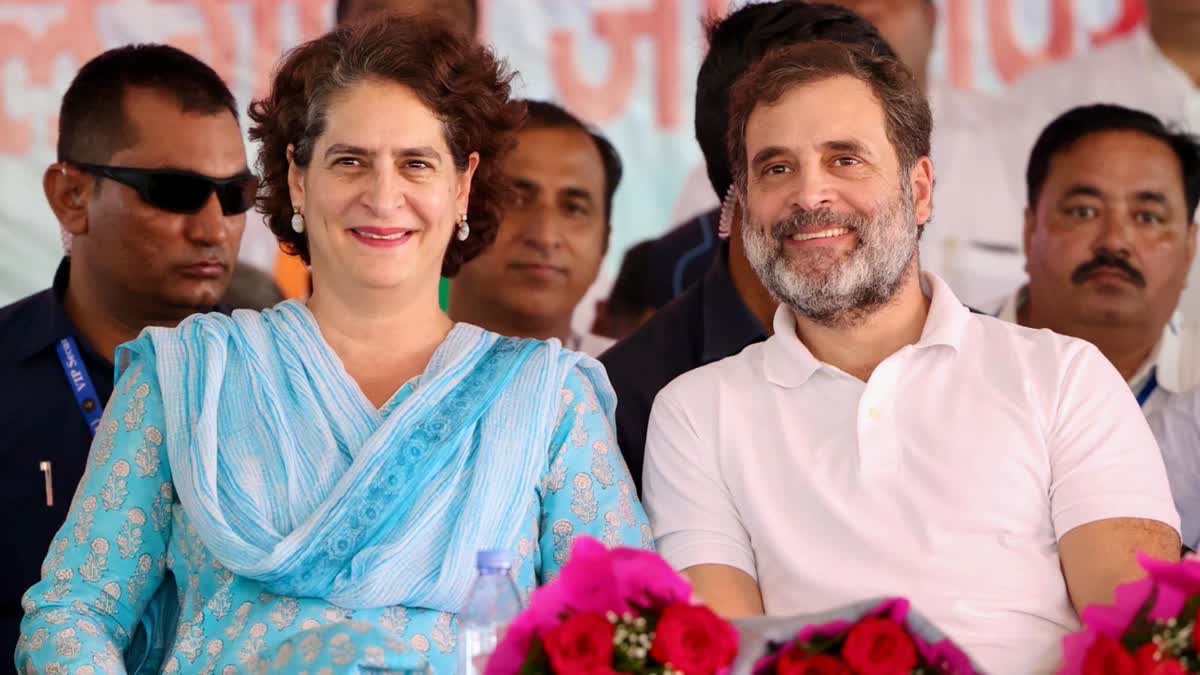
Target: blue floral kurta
<point x="126" y="529"/>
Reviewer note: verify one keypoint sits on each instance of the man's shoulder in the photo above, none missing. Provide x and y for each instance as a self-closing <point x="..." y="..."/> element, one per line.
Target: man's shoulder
<point x="18" y="318"/>
<point x="1003" y="348"/>
<point x="661" y="349"/>
<point x="1187" y="335"/>
<point x="738" y="371"/>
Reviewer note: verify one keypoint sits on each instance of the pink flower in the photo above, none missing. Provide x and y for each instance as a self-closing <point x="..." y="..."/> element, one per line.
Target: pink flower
<point x="588" y="582"/>
<point x="594" y="581"/>
<point x="946" y="657"/>
<point x="1104" y="623"/>
<point x="1169" y="583"/>
<point x="647" y="581"/>
<point x="510" y="654"/>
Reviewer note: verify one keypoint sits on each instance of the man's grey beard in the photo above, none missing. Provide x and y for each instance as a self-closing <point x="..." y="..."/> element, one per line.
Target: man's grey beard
<point x="828" y="289"/>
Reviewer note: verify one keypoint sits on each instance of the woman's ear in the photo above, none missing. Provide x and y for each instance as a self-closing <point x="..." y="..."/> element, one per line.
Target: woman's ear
<point x="295" y="178"/>
<point x="463" y="195"/>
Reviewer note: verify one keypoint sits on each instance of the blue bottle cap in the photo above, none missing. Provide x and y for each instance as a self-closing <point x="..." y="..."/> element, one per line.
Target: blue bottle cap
<point x="493" y="560"/>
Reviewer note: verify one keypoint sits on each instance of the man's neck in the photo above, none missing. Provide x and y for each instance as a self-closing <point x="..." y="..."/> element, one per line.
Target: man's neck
<point x="502" y="320"/>
<point x="860" y="348"/>
<point x="1177" y="38"/>
<point x="745" y="280"/>
<point x="103" y="324"/>
<point x="1127" y="347"/>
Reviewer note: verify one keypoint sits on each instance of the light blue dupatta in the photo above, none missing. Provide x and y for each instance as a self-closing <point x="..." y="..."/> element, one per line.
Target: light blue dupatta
<point x="291" y="477"/>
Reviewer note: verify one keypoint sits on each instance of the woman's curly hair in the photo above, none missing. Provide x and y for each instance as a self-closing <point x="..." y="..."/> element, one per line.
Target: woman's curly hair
<point x="466" y="86"/>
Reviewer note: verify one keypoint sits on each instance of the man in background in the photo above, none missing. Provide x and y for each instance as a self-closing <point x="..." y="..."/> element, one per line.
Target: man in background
<point x="152" y="185"/>
<point x="1109" y="239"/>
<point x="1155" y="68"/>
<point x="630" y="303"/>
<point x="553" y="238"/>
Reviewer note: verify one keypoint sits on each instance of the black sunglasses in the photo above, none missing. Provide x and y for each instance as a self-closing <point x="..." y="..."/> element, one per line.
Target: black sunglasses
<point x="181" y="191"/>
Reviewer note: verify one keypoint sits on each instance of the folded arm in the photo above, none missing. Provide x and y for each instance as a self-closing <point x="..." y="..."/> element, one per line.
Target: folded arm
<point x="1109" y="495"/>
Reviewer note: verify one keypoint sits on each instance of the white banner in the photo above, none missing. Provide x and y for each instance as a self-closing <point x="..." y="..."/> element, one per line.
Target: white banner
<point x="628" y="66"/>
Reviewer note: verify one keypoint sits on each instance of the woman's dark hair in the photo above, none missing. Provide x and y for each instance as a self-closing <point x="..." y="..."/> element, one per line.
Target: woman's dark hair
<point x="466" y="86"/>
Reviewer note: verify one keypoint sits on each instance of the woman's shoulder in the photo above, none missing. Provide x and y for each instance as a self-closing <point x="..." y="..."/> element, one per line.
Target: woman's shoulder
<point x="549" y="359"/>
<point x="197" y="334"/>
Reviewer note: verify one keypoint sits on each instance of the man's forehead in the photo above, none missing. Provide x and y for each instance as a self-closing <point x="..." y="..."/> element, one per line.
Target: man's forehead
<point x="163" y="134"/>
<point x="1119" y="163"/>
<point x="557" y="154"/>
<point x="816" y="113"/>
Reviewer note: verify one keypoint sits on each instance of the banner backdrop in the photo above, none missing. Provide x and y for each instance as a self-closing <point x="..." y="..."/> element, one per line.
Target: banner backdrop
<point x="627" y="66"/>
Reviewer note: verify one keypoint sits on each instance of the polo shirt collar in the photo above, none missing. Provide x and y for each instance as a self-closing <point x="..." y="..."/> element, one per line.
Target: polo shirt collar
<point x="1164" y="359"/>
<point x="789" y="363"/>
<point x="48" y="323"/>
<point x="728" y="325"/>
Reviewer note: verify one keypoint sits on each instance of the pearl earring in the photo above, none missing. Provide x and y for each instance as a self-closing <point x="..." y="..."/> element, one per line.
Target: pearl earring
<point x="297" y="220"/>
<point x="464" y="230"/>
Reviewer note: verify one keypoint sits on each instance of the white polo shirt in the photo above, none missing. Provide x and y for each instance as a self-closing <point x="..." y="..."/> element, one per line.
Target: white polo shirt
<point x="948" y="477"/>
<point x="1174" y="363"/>
<point x="1176" y="426"/>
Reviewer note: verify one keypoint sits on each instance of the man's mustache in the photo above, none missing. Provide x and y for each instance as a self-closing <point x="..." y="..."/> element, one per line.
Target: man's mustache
<point x="807" y="220"/>
<point x="1108" y="260"/>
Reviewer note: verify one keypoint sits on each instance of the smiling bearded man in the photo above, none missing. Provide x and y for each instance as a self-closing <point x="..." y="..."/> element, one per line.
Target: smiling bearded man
<point x="999" y="477"/>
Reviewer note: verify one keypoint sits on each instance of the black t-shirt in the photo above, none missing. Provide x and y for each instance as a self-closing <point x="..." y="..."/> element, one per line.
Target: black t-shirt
<point x="707" y="323"/>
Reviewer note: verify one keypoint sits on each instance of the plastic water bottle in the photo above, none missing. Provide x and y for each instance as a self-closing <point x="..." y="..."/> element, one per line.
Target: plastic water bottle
<point x="492" y="604"/>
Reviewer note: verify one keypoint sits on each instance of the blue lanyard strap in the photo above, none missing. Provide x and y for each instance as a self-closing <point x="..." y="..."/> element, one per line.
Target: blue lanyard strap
<point x="1148" y="388"/>
<point x="81" y="382"/>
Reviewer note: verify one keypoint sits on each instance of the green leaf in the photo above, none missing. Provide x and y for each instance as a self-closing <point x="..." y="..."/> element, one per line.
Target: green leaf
<point x="537" y="662"/>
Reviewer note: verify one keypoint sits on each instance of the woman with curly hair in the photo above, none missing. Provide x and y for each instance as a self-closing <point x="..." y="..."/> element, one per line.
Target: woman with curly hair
<point x="307" y="487"/>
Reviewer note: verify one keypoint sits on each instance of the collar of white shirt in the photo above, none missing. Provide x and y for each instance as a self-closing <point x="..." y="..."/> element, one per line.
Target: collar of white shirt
<point x="1164" y="359"/>
<point x="788" y="363"/>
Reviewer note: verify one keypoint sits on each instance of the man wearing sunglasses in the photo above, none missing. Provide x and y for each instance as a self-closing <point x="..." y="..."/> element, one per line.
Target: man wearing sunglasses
<point x="151" y="187"/>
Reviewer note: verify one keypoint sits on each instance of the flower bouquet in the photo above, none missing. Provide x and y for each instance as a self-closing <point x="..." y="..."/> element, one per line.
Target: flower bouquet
<point x="619" y="611"/>
<point x="1150" y="629"/>
<point x="871" y="638"/>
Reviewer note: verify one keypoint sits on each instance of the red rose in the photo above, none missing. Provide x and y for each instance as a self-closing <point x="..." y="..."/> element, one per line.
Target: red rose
<point x="1151" y="662"/>
<point x="879" y="647"/>
<point x="694" y="640"/>
<point x="1106" y="656"/>
<point x="581" y="644"/>
<point x="799" y="662"/>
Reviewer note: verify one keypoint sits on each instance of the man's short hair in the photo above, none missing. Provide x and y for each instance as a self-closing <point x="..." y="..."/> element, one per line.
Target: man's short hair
<point x="1078" y="123"/>
<point x="630" y="296"/>
<point x="736" y="42"/>
<point x="92" y="124"/>
<point x="908" y="121"/>
<point x="545" y="115"/>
